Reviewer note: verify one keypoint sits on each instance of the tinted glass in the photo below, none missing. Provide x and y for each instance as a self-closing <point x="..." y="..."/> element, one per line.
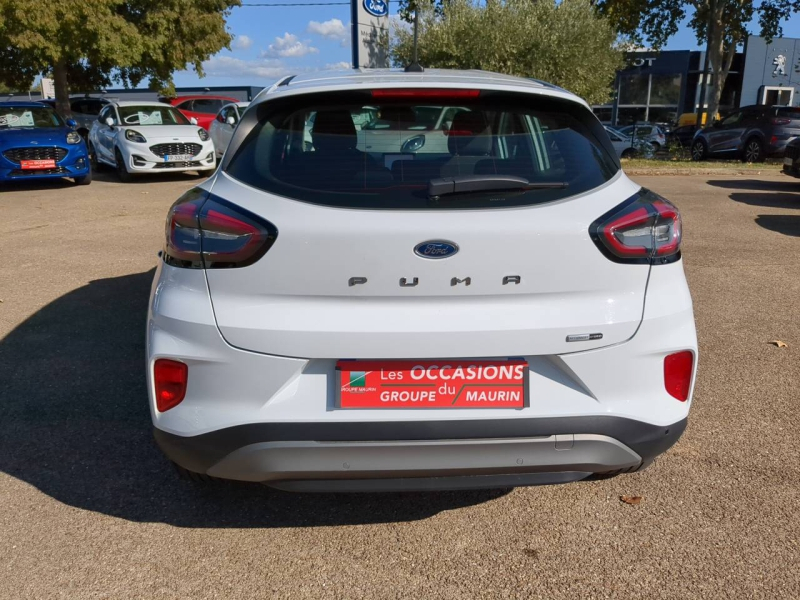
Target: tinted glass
<point x="665" y="89"/>
<point x="310" y="149"/>
<point x="206" y="106"/>
<point x="788" y="112"/>
<point x="29" y="117"/>
<point x="633" y="89"/>
<point x="151" y="115"/>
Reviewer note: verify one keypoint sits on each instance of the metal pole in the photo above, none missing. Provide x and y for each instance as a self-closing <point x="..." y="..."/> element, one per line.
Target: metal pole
<point x="710" y="32"/>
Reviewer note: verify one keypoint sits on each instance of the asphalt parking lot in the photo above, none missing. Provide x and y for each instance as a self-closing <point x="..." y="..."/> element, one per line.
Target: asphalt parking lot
<point x="89" y="508"/>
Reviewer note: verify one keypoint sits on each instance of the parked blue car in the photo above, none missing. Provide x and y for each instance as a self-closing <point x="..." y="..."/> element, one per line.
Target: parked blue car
<point x="36" y="143"/>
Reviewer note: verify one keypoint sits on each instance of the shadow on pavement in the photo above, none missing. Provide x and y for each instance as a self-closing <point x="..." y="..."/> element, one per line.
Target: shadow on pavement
<point x="767" y="200"/>
<point x="790" y="184"/>
<point x="74" y="423"/>
<point x="105" y="176"/>
<point x="108" y="175"/>
<point x="785" y="224"/>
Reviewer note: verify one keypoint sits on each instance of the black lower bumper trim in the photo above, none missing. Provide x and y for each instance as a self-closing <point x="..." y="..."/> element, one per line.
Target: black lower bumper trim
<point x="201" y="452"/>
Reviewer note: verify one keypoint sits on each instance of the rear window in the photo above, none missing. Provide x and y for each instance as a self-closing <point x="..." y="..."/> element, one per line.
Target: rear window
<point x="788" y="112"/>
<point x="311" y="148"/>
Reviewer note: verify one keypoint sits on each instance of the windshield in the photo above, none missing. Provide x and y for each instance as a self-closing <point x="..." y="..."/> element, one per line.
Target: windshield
<point x="311" y="149"/>
<point x="151" y="115"/>
<point x="26" y="116"/>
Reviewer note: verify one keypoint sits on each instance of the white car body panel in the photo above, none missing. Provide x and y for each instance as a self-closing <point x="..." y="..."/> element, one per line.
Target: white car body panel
<point x="296" y="304"/>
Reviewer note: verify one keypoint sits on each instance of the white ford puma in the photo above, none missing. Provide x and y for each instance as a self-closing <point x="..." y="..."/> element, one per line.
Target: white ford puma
<point x="508" y="310"/>
<point x="149" y="137"/>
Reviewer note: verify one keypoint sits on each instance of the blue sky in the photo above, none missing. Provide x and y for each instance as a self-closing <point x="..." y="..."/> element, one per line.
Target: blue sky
<point x="274" y="41"/>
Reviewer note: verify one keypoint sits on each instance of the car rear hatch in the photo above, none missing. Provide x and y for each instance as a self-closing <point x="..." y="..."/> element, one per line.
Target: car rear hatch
<point x="383" y="270"/>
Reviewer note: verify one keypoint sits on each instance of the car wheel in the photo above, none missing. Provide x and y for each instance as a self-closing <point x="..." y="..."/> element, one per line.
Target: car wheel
<point x="656" y="146"/>
<point x="96" y="164"/>
<point x="753" y="151"/>
<point x="122" y="170"/>
<point x="699" y="150"/>
<point x="86" y="179"/>
<point x="628" y="153"/>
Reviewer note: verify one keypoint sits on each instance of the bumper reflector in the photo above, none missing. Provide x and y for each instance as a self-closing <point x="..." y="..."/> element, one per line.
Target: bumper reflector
<point x="678" y="374"/>
<point x="170" y="378"/>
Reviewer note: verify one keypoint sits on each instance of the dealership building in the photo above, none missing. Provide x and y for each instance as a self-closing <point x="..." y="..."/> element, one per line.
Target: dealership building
<point x="657" y="87"/>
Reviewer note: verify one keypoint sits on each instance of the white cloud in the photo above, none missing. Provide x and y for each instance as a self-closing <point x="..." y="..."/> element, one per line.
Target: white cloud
<point x="241" y="42"/>
<point x="339" y="65"/>
<point x="288" y="46"/>
<point x="333" y="29"/>
<point x="227" y="66"/>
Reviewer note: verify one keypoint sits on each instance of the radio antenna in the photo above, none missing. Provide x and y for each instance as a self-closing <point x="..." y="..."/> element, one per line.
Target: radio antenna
<point x="415" y="67"/>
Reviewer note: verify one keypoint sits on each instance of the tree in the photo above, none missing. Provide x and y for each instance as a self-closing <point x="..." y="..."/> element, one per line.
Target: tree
<point x="721" y="24"/>
<point x="88" y="44"/>
<point x="563" y="42"/>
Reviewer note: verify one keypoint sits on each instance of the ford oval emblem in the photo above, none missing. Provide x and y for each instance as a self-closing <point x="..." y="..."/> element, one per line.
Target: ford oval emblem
<point x="377" y="8"/>
<point x="435" y="249"/>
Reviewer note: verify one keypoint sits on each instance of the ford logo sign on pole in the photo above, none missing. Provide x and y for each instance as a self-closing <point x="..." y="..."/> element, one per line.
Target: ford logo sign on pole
<point x="377" y="8"/>
<point x="435" y="249"/>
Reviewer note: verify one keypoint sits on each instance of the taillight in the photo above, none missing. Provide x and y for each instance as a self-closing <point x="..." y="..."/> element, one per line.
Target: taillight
<point x="643" y="229"/>
<point x="169" y="379"/>
<point x="390" y="93"/>
<point x="204" y="231"/>
<point x="678" y="374"/>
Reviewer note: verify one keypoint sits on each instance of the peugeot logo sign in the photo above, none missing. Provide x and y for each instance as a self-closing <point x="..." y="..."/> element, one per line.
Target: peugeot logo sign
<point x="435" y="249"/>
<point x="377" y="8"/>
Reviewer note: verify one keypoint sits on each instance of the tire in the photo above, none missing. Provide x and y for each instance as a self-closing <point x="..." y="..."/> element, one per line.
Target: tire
<point x="753" y="151"/>
<point x="86" y="179"/>
<point x="699" y="150"/>
<point x="628" y="153"/>
<point x="96" y="165"/>
<point x="122" y="170"/>
<point x="656" y="146"/>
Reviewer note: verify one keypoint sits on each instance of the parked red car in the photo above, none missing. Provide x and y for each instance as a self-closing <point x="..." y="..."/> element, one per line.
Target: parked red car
<point x="203" y="108"/>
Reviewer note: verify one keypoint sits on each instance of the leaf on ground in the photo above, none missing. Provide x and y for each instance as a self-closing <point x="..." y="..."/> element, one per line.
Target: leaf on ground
<point x="631" y="499"/>
<point x="779" y="344"/>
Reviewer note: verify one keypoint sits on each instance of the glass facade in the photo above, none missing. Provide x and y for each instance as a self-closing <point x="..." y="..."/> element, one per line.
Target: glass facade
<point x="659" y="87"/>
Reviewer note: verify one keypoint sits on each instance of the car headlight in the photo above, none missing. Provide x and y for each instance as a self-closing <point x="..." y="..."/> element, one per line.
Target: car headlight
<point x="134" y="136"/>
<point x="203" y="134"/>
<point x="73" y="137"/>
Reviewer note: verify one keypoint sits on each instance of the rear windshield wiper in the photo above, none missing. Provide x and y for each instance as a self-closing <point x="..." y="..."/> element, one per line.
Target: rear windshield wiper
<point x="472" y="184"/>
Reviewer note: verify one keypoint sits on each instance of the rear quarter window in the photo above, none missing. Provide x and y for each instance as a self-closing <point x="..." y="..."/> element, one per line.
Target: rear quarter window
<point x="788" y="112"/>
<point x="309" y="148"/>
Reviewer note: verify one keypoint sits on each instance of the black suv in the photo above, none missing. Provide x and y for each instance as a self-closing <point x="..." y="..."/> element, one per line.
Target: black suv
<point x="751" y="133"/>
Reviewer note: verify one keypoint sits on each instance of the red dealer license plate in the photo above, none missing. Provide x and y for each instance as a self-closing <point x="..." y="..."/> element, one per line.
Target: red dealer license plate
<point x="432" y="384"/>
<point x="37" y="164"/>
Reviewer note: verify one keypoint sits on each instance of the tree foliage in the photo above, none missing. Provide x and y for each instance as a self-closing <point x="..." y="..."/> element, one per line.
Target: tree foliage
<point x="720" y="25"/>
<point x="566" y="43"/>
<point x="89" y="44"/>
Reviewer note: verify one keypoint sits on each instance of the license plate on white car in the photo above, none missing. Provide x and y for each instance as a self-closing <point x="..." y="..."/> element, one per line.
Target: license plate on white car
<point x="178" y="157"/>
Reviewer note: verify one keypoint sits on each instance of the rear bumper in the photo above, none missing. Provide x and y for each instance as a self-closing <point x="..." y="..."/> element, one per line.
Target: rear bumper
<point x="416" y="455"/>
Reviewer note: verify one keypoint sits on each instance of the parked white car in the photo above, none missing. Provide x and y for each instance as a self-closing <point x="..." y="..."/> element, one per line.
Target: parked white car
<point x="511" y="310"/>
<point x="224" y="124"/>
<point x="625" y="146"/>
<point x="653" y="134"/>
<point x="149" y="137"/>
